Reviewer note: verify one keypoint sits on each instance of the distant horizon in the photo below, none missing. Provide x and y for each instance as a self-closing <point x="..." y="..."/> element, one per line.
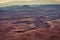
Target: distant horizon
<point x="27" y="2"/>
<point x="29" y="5"/>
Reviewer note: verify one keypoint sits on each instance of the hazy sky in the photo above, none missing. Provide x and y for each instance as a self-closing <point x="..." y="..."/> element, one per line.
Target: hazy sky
<point x="29" y="2"/>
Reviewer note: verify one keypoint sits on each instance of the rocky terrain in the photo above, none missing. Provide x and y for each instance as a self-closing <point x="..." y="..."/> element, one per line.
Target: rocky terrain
<point x="30" y="23"/>
<point x="27" y="30"/>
